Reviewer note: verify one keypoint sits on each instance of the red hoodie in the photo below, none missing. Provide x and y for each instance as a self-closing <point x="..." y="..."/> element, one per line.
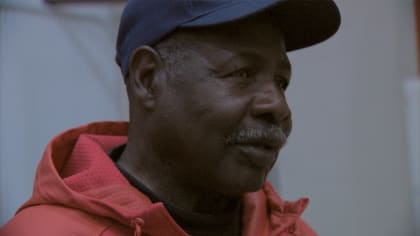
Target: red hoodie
<point x="79" y="191"/>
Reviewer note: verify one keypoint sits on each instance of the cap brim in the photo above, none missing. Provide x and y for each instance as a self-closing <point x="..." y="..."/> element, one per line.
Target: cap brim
<point x="303" y="22"/>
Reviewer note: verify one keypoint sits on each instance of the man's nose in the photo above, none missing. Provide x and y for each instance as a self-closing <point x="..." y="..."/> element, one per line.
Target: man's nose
<point x="269" y="104"/>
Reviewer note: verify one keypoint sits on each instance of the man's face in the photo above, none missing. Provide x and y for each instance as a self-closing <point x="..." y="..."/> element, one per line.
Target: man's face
<point x="222" y="119"/>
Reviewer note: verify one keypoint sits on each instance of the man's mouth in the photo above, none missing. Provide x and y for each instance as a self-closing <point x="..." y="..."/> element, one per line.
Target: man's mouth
<point x="259" y="156"/>
<point x="269" y="145"/>
<point x="259" y="146"/>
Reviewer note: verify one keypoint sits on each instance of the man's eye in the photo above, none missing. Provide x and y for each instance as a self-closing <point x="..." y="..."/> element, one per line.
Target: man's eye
<point x="243" y="77"/>
<point x="245" y="73"/>
<point x="242" y="73"/>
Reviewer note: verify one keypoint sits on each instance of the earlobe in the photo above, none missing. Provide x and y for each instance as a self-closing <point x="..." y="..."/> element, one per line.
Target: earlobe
<point x="144" y="71"/>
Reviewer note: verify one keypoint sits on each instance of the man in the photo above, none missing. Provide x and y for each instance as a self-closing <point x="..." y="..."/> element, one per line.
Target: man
<point x="206" y="84"/>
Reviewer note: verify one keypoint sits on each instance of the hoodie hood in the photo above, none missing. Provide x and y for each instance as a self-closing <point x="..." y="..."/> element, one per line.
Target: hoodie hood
<point x="76" y="172"/>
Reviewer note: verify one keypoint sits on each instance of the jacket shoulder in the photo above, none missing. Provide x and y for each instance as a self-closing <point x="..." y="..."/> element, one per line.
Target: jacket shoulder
<point x="56" y="220"/>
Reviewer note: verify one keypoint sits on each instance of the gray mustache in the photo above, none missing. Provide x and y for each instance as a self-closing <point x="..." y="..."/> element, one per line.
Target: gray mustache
<point x="250" y="135"/>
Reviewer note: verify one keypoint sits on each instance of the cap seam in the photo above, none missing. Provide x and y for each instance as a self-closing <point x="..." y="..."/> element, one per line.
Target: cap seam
<point x="208" y="12"/>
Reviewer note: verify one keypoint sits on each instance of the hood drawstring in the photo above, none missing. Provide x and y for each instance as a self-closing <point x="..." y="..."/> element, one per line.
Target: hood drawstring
<point x="137" y="223"/>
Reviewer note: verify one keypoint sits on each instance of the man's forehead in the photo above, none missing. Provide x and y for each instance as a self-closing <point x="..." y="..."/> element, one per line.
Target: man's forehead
<point x="241" y="44"/>
<point x="250" y="33"/>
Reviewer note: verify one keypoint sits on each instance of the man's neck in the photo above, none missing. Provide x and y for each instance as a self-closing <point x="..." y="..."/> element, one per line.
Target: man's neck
<point x="208" y="215"/>
<point x="169" y="189"/>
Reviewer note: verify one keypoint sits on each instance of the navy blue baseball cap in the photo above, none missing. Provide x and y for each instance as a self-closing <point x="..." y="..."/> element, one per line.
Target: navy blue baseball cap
<point x="145" y="22"/>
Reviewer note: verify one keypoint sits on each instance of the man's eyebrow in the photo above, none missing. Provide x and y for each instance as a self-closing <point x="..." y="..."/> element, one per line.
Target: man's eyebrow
<point x="234" y="58"/>
<point x="282" y="62"/>
<point x="248" y="57"/>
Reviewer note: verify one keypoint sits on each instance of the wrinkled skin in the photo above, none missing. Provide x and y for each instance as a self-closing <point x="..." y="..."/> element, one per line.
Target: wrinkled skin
<point x="179" y="125"/>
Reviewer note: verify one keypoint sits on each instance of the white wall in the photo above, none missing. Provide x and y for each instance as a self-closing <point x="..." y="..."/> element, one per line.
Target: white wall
<point x="347" y="148"/>
<point x="57" y="71"/>
<point x="346" y="151"/>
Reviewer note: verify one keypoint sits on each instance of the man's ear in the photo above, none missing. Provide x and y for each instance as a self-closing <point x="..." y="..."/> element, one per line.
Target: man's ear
<point x="144" y="73"/>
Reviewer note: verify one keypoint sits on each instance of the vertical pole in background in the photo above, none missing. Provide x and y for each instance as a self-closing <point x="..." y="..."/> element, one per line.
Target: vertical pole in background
<point x="412" y="128"/>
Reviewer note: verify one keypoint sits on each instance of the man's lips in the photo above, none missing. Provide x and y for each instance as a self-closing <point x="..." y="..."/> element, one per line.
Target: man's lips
<point x="259" y="146"/>
<point x="268" y="144"/>
<point x="257" y="155"/>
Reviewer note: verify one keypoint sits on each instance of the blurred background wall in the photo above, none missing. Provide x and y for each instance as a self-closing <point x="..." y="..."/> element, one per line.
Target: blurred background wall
<point x="347" y="151"/>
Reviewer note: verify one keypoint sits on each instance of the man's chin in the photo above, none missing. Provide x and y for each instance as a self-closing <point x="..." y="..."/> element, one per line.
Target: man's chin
<point x="239" y="189"/>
